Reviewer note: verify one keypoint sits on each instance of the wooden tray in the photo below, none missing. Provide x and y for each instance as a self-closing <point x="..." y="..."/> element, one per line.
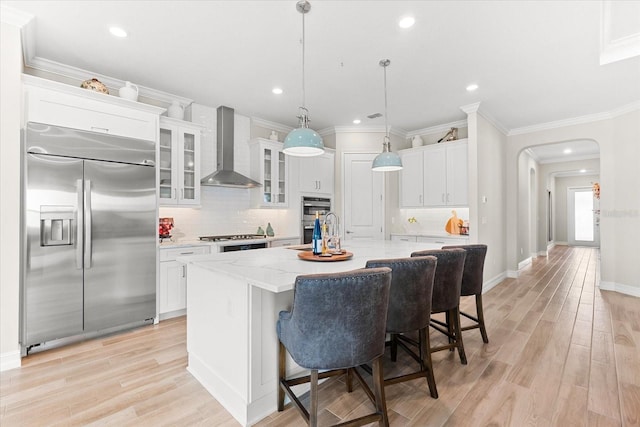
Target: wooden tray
<point x="309" y="256"/>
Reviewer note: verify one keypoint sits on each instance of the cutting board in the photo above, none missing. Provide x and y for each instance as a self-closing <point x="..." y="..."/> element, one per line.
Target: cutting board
<point x="309" y="256"/>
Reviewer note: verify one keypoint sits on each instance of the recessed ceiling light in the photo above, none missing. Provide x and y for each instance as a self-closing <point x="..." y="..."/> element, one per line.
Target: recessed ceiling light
<point x="583" y="170"/>
<point x="567" y="151"/>
<point x="472" y="87"/>
<point x="277" y="90"/>
<point x="407" y="22"/>
<point x="118" y="32"/>
<point x="356" y="122"/>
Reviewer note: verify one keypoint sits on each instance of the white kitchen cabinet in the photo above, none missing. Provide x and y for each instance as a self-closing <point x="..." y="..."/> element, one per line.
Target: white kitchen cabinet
<point x="402" y="237"/>
<point x="270" y="167"/>
<point x="289" y="241"/>
<point x="434" y="175"/>
<point x="172" y="292"/>
<point x="316" y="174"/>
<point x="179" y="163"/>
<point x="59" y="104"/>
<point x="442" y="240"/>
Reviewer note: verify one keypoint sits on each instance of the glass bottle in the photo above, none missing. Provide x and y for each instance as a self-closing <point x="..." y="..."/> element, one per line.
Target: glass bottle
<point x="316" y="239"/>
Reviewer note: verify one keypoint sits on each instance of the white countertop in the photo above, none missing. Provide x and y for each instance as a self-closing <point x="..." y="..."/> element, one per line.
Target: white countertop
<point x="275" y="269"/>
<point x="433" y="234"/>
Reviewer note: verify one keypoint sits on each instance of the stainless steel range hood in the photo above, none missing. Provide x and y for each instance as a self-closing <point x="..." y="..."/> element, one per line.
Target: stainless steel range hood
<point x="225" y="176"/>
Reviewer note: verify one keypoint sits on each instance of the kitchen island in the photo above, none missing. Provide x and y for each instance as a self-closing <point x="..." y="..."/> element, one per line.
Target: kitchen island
<point x="233" y="301"/>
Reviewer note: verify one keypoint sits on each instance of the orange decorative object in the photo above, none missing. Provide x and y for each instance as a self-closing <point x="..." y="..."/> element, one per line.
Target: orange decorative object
<point x="596" y="190"/>
<point x="454" y="224"/>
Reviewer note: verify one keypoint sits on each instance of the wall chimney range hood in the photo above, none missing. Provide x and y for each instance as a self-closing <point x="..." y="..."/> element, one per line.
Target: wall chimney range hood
<point x="225" y="176"/>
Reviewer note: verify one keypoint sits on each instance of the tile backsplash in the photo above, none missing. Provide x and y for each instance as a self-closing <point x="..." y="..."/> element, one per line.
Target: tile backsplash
<point x="427" y="220"/>
<point x="228" y="211"/>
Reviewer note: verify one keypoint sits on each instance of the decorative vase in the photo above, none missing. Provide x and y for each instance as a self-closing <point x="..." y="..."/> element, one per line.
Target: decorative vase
<point x="270" y="232"/>
<point x="175" y="111"/>
<point x="416" y="141"/>
<point x="129" y="91"/>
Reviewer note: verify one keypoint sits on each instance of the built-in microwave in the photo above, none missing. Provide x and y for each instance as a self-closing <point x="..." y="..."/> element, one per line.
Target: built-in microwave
<point x="311" y="205"/>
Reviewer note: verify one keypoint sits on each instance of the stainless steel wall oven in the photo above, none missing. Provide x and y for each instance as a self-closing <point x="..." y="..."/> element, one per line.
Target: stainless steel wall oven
<point x="311" y="205"/>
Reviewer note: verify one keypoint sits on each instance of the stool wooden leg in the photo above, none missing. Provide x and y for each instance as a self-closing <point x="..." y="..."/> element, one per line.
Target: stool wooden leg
<point x="450" y="327"/>
<point x="349" y="380"/>
<point x="313" y="395"/>
<point x="458" y="334"/>
<point x="378" y="391"/>
<point x="480" y="312"/>
<point x="281" y="375"/>
<point x="426" y="365"/>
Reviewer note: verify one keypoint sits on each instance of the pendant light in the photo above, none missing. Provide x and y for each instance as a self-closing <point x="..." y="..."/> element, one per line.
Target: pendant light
<point x="387" y="161"/>
<point x="303" y="142"/>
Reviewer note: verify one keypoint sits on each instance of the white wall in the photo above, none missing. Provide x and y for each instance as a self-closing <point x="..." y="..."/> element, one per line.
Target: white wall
<point x="618" y="138"/>
<point x="10" y="102"/>
<point x="489" y="182"/>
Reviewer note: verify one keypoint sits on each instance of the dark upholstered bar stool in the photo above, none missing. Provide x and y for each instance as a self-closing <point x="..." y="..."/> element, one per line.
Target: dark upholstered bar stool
<point x="336" y="323"/>
<point x="410" y="310"/>
<point x="446" y="296"/>
<point x="472" y="284"/>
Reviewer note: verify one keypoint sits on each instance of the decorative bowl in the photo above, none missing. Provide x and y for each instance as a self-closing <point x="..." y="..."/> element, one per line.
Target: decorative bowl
<point x="95" y="85"/>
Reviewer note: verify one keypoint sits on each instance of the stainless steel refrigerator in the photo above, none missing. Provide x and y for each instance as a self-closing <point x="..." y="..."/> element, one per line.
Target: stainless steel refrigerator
<point x="89" y="232"/>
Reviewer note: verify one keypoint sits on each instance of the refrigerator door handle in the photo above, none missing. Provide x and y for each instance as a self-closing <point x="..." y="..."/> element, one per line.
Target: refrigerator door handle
<point x="87" y="224"/>
<point x="79" y="225"/>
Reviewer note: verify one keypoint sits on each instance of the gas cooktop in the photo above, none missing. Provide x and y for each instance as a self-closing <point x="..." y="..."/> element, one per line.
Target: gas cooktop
<point x="231" y="237"/>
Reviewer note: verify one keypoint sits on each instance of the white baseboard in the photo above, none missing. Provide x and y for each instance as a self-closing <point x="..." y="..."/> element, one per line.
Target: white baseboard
<point x="550" y="245"/>
<point x="522" y="264"/>
<point x="10" y="360"/>
<point x="513" y="274"/>
<point x="543" y="253"/>
<point x="634" y="291"/>
<point x="488" y="284"/>
<point x="562" y="243"/>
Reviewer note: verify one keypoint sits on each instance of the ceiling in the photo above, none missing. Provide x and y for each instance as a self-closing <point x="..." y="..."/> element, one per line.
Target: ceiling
<point x="535" y="62"/>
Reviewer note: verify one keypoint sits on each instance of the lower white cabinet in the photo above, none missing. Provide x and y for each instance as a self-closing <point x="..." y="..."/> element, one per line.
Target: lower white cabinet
<point x="436" y="240"/>
<point x="277" y="243"/>
<point x="172" y="292"/>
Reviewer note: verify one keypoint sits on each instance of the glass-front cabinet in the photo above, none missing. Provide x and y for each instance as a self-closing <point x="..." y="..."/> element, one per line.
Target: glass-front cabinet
<point x="179" y="163"/>
<point x="269" y="166"/>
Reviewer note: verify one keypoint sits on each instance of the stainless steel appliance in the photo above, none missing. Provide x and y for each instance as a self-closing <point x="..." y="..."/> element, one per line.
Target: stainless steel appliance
<point x="237" y="242"/>
<point x="311" y="205"/>
<point x="89" y="230"/>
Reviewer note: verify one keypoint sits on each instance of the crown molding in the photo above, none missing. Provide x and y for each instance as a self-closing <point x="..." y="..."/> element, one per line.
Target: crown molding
<point x="368" y="129"/>
<point x="615" y="49"/>
<point x="257" y="121"/>
<point x="69" y="71"/>
<point x="471" y="108"/>
<point x="577" y="120"/>
<point x="488" y="117"/>
<point x="15" y="17"/>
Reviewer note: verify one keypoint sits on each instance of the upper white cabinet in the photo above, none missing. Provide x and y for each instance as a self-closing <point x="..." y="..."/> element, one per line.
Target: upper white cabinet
<point x="179" y="163"/>
<point x="316" y="174"/>
<point x="434" y="175"/>
<point x="269" y="166"/>
<point x="59" y="104"/>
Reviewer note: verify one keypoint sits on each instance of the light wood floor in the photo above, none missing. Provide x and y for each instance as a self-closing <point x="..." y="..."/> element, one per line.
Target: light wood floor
<point x="561" y="353"/>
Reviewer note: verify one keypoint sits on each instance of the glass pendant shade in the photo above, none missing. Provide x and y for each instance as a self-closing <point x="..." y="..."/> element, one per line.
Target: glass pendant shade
<point x="303" y="142"/>
<point x="387" y="161"/>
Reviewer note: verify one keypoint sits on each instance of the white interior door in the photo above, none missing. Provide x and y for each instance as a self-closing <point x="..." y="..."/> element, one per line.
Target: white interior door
<point x="363" y="197"/>
<point x="582" y="226"/>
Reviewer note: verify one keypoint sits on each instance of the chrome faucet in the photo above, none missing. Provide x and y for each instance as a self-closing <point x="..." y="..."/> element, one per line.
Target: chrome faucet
<point x="334" y="233"/>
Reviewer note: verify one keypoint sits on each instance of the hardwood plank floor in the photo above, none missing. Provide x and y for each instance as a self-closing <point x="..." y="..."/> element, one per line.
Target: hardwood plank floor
<point x="561" y="352"/>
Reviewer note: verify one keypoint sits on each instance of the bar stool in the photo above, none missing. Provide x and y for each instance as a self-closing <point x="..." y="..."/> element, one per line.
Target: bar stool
<point x="446" y="296"/>
<point x="472" y="284"/>
<point x="410" y="310"/>
<point x="336" y="323"/>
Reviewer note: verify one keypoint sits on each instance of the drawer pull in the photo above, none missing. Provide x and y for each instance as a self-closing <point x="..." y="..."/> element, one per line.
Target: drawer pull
<point x="105" y="130"/>
<point x="186" y="253"/>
